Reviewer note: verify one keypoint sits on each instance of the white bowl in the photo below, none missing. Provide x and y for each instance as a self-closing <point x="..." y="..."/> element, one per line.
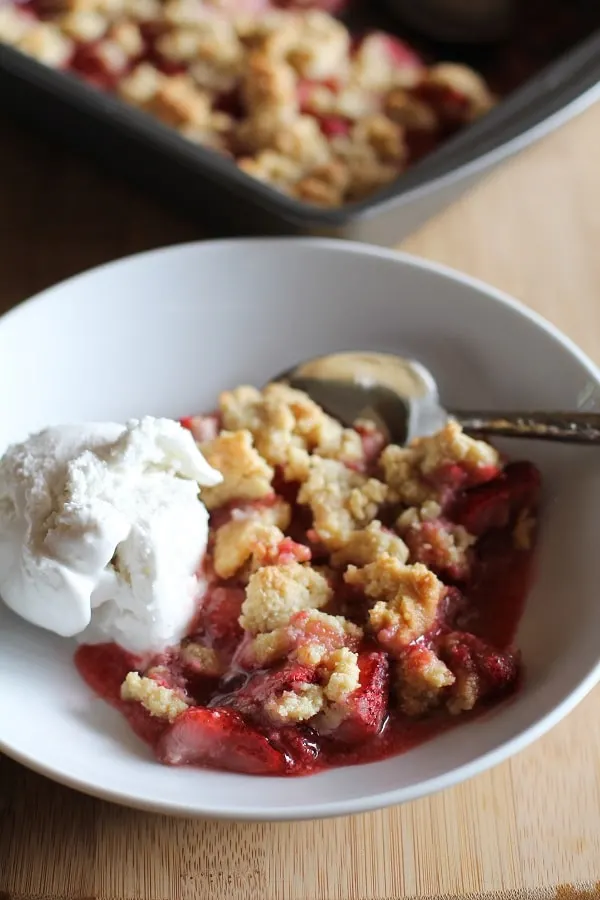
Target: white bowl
<point x="162" y="333"/>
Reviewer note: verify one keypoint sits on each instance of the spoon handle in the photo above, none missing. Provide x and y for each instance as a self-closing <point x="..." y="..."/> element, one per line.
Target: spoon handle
<point x="568" y="427"/>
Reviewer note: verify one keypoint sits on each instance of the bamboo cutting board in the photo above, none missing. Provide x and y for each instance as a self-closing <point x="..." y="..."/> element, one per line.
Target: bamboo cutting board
<point x="528" y="829"/>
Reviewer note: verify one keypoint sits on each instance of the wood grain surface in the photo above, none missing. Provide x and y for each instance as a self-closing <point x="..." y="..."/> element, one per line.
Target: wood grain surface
<point x="531" y="825"/>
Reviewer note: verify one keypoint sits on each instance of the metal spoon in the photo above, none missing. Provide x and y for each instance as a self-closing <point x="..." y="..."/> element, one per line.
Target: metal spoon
<point x="401" y="397"/>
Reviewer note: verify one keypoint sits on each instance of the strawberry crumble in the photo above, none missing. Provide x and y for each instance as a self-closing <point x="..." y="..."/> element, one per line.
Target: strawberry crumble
<point x="282" y="88"/>
<point x="359" y="598"/>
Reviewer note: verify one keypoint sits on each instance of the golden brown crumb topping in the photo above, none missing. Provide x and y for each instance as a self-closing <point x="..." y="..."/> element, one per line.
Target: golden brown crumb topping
<point x="202" y="660"/>
<point x="339" y="676"/>
<point x="409" y="471"/>
<point x="451" y="445"/>
<point x="367" y="545"/>
<point x="274" y="593"/>
<point x="308" y="640"/>
<point x="341" y="500"/>
<point x="407" y="598"/>
<point x="281" y="418"/>
<point x="246" y="475"/>
<point x="421" y="678"/>
<point x="296" y="706"/>
<point x="465" y="82"/>
<point x="161" y="702"/>
<point x="242" y="540"/>
<point x="343" y="674"/>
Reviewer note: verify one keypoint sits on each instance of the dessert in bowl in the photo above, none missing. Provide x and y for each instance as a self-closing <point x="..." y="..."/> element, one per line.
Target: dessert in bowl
<point x="340" y="619"/>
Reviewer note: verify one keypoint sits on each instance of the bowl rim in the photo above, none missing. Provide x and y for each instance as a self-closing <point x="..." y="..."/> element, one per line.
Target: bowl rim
<point x="329" y="809"/>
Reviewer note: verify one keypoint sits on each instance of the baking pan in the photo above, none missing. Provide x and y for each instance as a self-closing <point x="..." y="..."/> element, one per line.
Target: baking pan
<point x="212" y="189"/>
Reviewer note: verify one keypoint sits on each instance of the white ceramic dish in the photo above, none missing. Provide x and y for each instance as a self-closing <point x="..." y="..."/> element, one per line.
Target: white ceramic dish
<point x="163" y="333"/>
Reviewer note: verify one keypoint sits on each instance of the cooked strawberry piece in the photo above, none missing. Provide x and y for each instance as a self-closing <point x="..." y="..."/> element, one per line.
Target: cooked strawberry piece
<point x="297" y="744"/>
<point x="288" y="551"/>
<point x="167" y="674"/>
<point x="495" y="504"/>
<point x="451" y="106"/>
<point x="400" y="53"/>
<point x="481" y="671"/>
<point x="442" y="546"/>
<point x="452" y="605"/>
<point x="367" y="705"/>
<point x="373" y="442"/>
<point x="219" y="738"/>
<point x="334" y="126"/>
<point x="203" y="428"/>
<point x="88" y="61"/>
<point x="219" y="616"/>
<point x="457" y="476"/>
<point x="245" y="657"/>
<point x="264" y="685"/>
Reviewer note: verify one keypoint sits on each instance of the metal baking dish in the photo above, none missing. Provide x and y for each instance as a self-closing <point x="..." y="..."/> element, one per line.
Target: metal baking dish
<point x="203" y="184"/>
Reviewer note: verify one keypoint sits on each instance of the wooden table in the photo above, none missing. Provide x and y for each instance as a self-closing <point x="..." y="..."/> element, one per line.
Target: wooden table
<point x="530" y="826"/>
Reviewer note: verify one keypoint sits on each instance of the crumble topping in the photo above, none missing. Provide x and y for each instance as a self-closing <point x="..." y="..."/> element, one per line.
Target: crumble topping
<point x="320" y="47"/>
<point x="273" y="511"/>
<point x="246" y="475"/>
<point x="421" y="680"/>
<point x="344" y="674"/>
<point x="367" y="545"/>
<point x="451" y="445"/>
<point x="415" y="474"/>
<point x="296" y="706"/>
<point x="46" y="43"/>
<point x="161" y="702"/>
<point x="339" y="675"/>
<point x="407" y="598"/>
<point x="402" y="474"/>
<point x="242" y="540"/>
<point x="178" y="102"/>
<point x="308" y="637"/>
<point x="14" y="24"/>
<point x="410" y="112"/>
<point x="202" y="660"/>
<point x="274" y="593"/>
<point x="341" y="500"/>
<point x="465" y="83"/>
<point x="377" y="68"/>
<point x="82" y="24"/>
<point x="281" y="419"/>
<point x="128" y="37"/>
<point x="414" y="515"/>
<point x="435" y="541"/>
<point x="140" y="86"/>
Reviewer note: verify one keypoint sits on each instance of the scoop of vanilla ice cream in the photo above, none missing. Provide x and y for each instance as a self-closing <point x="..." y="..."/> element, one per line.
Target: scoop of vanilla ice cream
<point x="102" y="531"/>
